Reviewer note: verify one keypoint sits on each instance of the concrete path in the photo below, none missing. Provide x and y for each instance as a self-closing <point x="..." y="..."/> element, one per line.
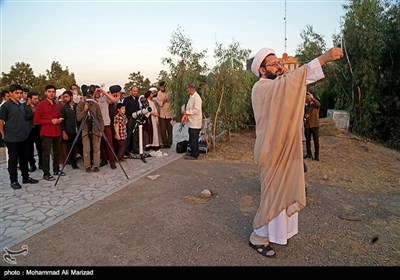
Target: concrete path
<point x="29" y="210"/>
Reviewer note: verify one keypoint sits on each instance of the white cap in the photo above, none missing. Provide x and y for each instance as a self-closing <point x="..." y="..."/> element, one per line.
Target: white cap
<point x="258" y="59"/>
<point x="153" y="89"/>
<point x="59" y="92"/>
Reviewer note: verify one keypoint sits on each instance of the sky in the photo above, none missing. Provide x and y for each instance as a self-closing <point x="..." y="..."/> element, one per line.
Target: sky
<point x="102" y="42"/>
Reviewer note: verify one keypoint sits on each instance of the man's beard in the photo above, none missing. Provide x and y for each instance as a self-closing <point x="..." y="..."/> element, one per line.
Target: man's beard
<point x="273" y="76"/>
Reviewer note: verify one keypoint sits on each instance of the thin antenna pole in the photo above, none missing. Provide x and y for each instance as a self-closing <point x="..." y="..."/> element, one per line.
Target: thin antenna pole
<point x="285" y="30"/>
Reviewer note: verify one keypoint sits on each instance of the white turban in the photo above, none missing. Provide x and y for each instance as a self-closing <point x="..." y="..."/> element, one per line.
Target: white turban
<point x="258" y="59"/>
<point x="59" y="92"/>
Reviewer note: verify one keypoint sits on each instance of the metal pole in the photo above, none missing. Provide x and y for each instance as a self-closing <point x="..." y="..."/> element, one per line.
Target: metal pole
<point x="285" y="30"/>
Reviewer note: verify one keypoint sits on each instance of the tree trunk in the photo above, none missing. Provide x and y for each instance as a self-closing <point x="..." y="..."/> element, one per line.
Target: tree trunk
<point x="216" y="118"/>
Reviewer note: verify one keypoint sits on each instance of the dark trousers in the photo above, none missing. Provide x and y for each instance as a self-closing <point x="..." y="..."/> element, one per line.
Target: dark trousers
<point x="114" y="140"/>
<point x="194" y="141"/>
<point x="121" y="149"/>
<point x="79" y="143"/>
<point x="105" y="152"/>
<point x="35" y="140"/>
<point x="166" y="131"/>
<point x="17" y="152"/>
<point x="132" y="141"/>
<point x="71" y="147"/>
<point x="48" y="143"/>
<point x="314" y="131"/>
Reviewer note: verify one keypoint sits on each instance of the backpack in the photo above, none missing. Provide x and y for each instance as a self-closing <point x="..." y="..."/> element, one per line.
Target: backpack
<point x="181" y="147"/>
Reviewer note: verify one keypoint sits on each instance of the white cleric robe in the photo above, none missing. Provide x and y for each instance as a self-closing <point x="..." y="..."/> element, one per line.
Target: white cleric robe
<point x="278" y="109"/>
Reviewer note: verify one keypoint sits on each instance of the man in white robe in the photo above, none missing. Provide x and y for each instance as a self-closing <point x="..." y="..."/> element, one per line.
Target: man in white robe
<point x="278" y="105"/>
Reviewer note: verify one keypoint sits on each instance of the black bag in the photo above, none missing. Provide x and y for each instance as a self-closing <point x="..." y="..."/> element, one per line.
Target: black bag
<point x="181" y="147"/>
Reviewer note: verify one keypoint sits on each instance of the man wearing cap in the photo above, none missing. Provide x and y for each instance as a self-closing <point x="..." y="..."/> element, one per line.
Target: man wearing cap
<point x="278" y="105"/>
<point x="89" y="111"/>
<point x="104" y="98"/>
<point x="166" y="115"/>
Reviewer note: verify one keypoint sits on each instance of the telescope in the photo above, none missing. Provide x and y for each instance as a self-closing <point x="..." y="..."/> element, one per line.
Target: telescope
<point x="141" y="112"/>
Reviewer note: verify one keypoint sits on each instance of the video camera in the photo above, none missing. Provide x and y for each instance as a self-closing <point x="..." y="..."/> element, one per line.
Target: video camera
<point x="141" y="112"/>
<point x="88" y="90"/>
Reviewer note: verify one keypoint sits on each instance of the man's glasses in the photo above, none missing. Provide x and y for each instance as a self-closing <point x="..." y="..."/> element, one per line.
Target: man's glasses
<point x="273" y="64"/>
<point x="276" y="63"/>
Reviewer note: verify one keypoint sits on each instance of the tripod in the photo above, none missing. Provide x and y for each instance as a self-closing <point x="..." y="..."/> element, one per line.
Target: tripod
<point x="90" y="134"/>
<point x="139" y="123"/>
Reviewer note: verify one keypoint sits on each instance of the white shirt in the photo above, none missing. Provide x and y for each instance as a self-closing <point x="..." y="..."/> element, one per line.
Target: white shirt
<point x="103" y="103"/>
<point x="194" y="111"/>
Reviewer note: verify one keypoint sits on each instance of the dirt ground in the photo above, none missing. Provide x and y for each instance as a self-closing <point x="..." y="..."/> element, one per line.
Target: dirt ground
<point x="351" y="218"/>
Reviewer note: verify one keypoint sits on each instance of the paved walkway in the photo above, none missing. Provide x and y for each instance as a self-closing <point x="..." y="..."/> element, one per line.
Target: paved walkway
<point x="35" y="207"/>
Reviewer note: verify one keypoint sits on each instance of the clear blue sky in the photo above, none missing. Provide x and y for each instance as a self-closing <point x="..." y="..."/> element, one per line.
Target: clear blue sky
<point x="102" y="42"/>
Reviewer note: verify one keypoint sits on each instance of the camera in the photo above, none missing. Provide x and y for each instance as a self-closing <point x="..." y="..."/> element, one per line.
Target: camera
<point x="88" y="90"/>
<point x="141" y="112"/>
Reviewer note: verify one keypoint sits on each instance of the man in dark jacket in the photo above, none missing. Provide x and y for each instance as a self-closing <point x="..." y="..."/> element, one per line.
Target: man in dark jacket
<point x="14" y="129"/>
<point x="311" y="125"/>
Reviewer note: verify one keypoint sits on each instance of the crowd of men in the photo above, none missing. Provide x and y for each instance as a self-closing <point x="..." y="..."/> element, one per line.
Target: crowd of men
<point x="87" y="123"/>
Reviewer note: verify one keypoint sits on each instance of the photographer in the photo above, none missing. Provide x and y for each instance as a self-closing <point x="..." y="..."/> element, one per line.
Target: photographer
<point x="311" y="125"/>
<point x="91" y="134"/>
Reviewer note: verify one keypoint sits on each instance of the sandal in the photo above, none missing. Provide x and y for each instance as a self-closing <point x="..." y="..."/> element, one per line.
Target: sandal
<point x="264" y="250"/>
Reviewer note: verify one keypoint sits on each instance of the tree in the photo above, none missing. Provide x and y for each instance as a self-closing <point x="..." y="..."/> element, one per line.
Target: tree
<point x="366" y="80"/>
<point x="21" y="74"/>
<point x="229" y="99"/>
<point x="312" y="46"/>
<point x="185" y="67"/>
<point x="40" y="83"/>
<point x="138" y="80"/>
<point x="388" y="120"/>
<point x="363" y="41"/>
<point x="162" y="76"/>
<point x="59" y="77"/>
